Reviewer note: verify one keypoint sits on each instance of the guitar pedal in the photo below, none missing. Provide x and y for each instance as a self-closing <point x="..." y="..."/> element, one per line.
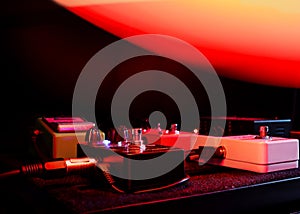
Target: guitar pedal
<point x="135" y="166"/>
<point x="57" y="137"/>
<point x="246" y="152"/>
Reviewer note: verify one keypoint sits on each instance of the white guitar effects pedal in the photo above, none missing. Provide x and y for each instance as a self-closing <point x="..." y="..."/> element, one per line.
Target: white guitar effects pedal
<point x="246" y="152"/>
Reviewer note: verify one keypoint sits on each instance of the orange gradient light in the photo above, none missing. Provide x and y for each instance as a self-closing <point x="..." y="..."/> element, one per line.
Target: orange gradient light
<point x="251" y="40"/>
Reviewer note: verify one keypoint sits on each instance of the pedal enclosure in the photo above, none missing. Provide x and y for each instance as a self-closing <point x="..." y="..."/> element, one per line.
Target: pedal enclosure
<point x="124" y="163"/>
<point x="51" y="143"/>
<point x="245" y="152"/>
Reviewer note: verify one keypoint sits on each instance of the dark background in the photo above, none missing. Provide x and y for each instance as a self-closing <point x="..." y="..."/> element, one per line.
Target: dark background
<point x="44" y="48"/>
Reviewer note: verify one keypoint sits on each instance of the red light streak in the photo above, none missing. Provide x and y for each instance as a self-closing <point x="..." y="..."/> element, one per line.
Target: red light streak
<point x="254" y="41"/>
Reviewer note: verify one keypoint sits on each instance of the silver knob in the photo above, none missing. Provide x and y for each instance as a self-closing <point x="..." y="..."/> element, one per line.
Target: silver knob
<point x="263" y="131"/>
<point x="93" y="137"/>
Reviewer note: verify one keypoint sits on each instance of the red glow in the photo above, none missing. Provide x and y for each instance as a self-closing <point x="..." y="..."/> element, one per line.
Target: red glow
<point x="255" y="41"/>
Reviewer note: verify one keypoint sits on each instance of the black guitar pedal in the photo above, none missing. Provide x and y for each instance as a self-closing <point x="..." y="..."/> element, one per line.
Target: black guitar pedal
<point x="135" y="168"/>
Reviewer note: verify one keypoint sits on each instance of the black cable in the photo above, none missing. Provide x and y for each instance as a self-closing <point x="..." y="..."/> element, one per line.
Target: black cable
<point x="9" y="174"/>
<point x="109" y="177"/>
<point x="62" y="167"/>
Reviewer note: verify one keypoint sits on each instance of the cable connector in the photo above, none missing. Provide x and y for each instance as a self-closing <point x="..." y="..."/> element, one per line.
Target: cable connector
<point x="59" y="167"/>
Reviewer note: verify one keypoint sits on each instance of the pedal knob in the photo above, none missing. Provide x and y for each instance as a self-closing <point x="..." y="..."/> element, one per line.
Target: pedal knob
<point x="220" y="152"/>
<point x="263" y="131"/>
<point x="94" y="137"/>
